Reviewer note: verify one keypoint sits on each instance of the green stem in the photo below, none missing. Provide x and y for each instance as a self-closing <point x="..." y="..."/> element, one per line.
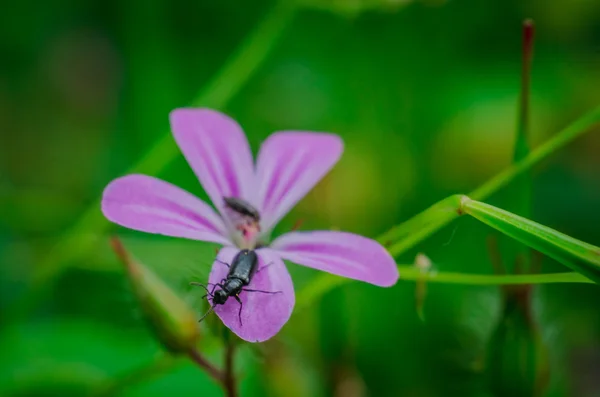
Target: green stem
<point x="160" y="365"/>
<point x="522" y="144"/>
<point x="326" y="282"/>
<point x="421" y="226"/>
<point x="77" y="241"/>
<point x="210" y="369"/>
<point x="540" y="153"/>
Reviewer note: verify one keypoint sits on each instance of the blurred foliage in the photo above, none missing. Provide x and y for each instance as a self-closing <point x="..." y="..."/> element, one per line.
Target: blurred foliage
<point x="425" y="95"/>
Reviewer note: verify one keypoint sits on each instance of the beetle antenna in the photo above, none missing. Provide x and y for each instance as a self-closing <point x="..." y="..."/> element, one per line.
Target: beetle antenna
<point x="201" y="285"/>
<point x="212" y="308"/>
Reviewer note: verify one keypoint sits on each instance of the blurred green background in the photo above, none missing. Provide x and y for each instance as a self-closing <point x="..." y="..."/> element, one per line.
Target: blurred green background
<point x="424" y="94"/>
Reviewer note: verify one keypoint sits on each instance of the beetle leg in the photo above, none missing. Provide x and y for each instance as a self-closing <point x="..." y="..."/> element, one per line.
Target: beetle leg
<point x="200" y="285"/>
<point x="259" y="290"/>
<point x="220" y="261"/>
<point x="264" y="267"/>
<point x="237" y="298"/>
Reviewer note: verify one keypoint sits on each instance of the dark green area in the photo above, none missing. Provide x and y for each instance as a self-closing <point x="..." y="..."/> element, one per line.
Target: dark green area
<point x="425" y="97"/>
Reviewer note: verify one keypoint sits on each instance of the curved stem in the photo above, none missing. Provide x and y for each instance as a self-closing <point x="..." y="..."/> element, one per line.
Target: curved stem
<point x="203" y="363"/>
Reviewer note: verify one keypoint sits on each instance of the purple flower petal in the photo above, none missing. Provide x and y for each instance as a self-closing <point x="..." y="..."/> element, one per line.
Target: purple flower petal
<point x="150" y="205"/>
<point x="340" y="253"/>
<point x="289" y="165"/>
<point x="217" y="150"/>
<point x="263" y="314"/>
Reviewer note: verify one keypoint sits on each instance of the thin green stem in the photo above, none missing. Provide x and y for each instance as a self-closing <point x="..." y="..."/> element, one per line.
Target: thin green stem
<point x="80" y="238"/>
<point x="421" y="226"/>
<point x="413" y="274"/>
<point x="561" y="139"/>
<point x="163" y="363"/>
<point x="522" y="144"/>
<point x="322" y="284"/>
<point x="519" y="198"/>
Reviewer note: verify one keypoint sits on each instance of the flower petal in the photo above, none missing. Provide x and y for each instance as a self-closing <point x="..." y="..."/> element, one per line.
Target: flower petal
<point x="344" y="254"/>
<point x="289" y="164"/>
<point x="263" y="314"/>
<point x="151" y="205"/>
<point x="217" y="150"/>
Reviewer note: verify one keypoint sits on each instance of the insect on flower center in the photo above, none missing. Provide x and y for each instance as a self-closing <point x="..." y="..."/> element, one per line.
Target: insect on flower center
<point x="245" y="220"/>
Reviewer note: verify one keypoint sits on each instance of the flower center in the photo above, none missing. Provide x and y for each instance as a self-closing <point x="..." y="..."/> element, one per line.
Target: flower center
<point x="244" y="219"/>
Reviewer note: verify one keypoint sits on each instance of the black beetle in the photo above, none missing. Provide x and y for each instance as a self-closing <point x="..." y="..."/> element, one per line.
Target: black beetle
<point x="242" y="207"/>
<point x="243" y="268"/>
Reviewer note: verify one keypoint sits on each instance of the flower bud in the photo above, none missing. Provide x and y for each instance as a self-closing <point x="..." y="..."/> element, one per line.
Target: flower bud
<point x="517" y="364"/>
<point x="173" y="322"/>
<point x="423" y="263"/>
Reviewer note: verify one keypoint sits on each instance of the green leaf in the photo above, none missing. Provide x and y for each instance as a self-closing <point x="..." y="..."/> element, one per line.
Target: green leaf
<point x="575" y="254"/>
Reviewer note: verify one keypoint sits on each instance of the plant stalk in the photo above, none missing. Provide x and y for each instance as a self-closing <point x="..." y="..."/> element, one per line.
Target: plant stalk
<point x="229" y="380"/>
<point x="210" y="369"/>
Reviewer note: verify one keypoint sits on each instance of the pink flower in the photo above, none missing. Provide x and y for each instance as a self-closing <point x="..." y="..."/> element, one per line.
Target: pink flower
<point x="289" y="164"/>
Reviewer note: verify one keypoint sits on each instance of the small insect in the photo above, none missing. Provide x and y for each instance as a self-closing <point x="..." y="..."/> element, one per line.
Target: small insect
<point x="242" y="207"/>
<point x="241" y="271"/>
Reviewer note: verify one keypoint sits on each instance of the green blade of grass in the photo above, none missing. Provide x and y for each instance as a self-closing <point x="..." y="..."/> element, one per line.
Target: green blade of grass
<point x="577" y="255"/>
